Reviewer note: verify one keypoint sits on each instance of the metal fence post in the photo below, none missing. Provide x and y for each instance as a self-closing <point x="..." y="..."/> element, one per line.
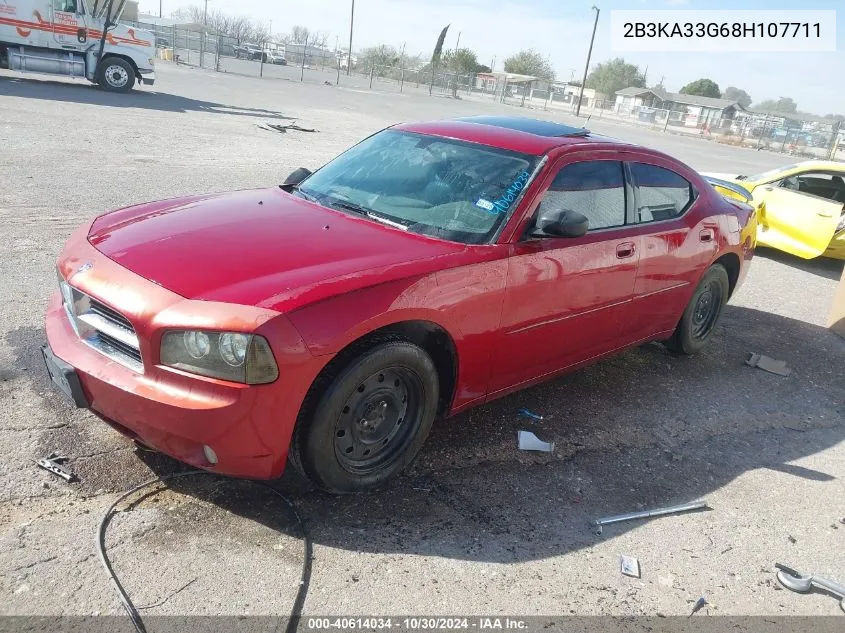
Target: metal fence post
<point x="337" y="81"/>
<point x="834" y="140"/>
<point x="217" y="56"/>
<point x="760" y="138"/>
<point x="372" y="70"/>
<point x="202" y="48"/>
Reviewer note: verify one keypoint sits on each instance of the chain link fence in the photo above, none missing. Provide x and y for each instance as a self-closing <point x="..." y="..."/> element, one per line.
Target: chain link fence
<point x="801" y="138"/>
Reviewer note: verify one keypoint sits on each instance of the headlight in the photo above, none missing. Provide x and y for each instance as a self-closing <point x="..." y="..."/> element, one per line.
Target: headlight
<point x="232" y="356"/>
<point x="233" y="348"/>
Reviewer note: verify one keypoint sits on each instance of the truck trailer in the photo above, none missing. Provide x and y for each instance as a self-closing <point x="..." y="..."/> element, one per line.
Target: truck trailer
<point x="76" y="38"/>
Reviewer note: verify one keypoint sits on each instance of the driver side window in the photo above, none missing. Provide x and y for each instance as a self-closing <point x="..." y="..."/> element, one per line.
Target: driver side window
<point x="819" y="184"/>
<point x="595" y="189"/>
<point x="67" y="6"/>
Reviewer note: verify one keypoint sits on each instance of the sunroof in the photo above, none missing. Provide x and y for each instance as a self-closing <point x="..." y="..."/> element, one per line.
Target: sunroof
<point x="531" y="126"/>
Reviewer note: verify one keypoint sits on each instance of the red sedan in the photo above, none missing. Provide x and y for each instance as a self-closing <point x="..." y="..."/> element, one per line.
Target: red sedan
<point x="430" y="268"/>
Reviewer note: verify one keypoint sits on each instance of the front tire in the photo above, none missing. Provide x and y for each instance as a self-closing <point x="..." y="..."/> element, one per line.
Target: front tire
<point x="702" y="313"/>
<point x="371" y="420"/>
<point x="116" y="75"/>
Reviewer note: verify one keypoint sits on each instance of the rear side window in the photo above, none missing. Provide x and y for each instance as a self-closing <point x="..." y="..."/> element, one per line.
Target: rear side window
<point x="595" y="189"/>
<point x="661" y="193"/>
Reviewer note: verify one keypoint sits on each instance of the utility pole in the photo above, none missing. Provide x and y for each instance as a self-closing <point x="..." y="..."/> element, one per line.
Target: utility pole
<point x="159" y="7"/>
<point x="351" y="22"/>
<point x="587" y="65"/>
<point x="458" y="43"/>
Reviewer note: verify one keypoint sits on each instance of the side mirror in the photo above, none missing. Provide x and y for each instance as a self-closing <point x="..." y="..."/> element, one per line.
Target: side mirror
<point x="559" y="223"/>
<point x="296" y="177"/>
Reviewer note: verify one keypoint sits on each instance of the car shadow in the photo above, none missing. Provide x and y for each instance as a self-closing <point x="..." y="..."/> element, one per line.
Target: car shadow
<point x="74" y="92"/>
<point x="642" y="430"/>
<point x="826" y="267"/>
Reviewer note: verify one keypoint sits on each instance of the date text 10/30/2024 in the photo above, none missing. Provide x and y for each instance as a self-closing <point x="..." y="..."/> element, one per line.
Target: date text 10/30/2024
<point x="416" y="623"/>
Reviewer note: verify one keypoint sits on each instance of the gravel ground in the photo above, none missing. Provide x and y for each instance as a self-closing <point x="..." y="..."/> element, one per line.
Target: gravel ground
<point x="476" y="526"/>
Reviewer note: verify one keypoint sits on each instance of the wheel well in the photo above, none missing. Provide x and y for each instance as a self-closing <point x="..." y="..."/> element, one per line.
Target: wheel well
<point x="731" y="263"/>
<point x="127" y="59"/>
<point x="429" y="336"/>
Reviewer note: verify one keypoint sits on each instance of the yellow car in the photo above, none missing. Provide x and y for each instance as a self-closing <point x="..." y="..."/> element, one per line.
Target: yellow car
<point x="801" y="207"/>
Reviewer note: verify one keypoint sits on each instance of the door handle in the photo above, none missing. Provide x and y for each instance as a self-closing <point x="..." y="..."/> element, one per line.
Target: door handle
<point x="824" y="214"/>
<point x="706" y="235"/>
<point x="625" y="250"/>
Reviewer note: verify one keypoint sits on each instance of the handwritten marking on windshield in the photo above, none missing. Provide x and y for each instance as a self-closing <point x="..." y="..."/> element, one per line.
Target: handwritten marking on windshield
<point x="504" y="203"/>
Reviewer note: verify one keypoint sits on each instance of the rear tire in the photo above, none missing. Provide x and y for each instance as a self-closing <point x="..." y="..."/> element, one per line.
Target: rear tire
<point x="116" y="75"/>
<point x="703" y="312"/>
<point x="371" y="420"/>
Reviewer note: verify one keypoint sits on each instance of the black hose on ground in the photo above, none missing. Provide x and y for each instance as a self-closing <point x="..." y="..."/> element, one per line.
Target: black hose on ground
<point x="305" y="578"/>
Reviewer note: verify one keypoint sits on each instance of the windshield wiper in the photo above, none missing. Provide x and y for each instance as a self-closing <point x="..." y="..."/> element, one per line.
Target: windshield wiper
<point x="351" y="206"/>
<point x="307" y="196"/>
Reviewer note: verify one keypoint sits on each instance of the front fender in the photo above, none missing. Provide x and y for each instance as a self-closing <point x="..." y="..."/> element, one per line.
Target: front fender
<point x="465" y="301"/>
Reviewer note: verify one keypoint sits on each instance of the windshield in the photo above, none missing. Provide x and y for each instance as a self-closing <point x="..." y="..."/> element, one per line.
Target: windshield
<point x="769" y="175"/>
<point x="450" y="189"/>
<point x="101" y="7"/>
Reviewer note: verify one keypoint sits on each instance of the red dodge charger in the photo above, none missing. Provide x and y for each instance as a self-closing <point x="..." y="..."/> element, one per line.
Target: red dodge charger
<point x="430" y="268"/>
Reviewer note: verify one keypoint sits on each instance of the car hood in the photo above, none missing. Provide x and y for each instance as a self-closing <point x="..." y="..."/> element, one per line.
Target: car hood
<point x="265" y="248"/>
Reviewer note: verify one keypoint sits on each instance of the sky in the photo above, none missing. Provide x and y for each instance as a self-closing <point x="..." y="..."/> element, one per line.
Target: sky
<point x="560" y="30"/>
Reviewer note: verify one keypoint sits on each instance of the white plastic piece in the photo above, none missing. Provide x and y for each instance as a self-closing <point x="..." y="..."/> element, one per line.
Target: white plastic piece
<point x="530" y="442"/>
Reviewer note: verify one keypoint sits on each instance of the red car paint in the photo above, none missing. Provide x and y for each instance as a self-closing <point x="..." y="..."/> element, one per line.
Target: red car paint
<point x="313" y="280"/>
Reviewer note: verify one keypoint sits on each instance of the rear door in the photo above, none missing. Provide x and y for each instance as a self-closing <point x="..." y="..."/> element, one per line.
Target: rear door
<point x="676" y="244"/>
<point x="797" y="219"/>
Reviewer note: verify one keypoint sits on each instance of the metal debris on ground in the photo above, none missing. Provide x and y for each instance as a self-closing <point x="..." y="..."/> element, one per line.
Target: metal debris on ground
<point x="698" y="606"/>
<point x="530" y="414"/>
<point x="54" y="463"/>
<point x="777" y="367"/>
<point x="618" y="518"/>
<point x="530" y="442"/>
<point x="630" y="566"/>
<point x="278" y="127"/>
<point x="799" y="583"/>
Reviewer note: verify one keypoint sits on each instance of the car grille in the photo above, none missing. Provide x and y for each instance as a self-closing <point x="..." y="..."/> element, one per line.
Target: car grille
<point x="103" y="328"/>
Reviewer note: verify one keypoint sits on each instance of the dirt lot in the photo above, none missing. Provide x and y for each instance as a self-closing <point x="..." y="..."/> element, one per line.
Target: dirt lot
<point x="476" y="527"/>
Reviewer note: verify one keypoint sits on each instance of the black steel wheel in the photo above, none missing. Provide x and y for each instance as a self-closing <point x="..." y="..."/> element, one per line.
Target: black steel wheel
<point x="378" y="420"/>
<point x="115" y="74"/>
<point x="370" y="420"/>
<point x="702" y="312"/>
<point x="707" y="308"/>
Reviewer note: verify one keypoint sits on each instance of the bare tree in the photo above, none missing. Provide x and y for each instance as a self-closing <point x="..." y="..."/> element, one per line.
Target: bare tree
<point x="241" y="29"/>
<point x="260" y="34"/>
<point x="318" y="39"/>
<point x="300" y="35"/>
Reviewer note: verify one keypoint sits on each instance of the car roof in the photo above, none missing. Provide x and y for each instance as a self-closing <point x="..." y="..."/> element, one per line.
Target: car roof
<point x="823" y="165"/>
<point x="519" y="134"/>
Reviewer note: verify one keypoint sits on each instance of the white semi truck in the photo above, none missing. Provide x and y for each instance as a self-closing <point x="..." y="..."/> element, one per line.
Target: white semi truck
<point x="76" y="38"/>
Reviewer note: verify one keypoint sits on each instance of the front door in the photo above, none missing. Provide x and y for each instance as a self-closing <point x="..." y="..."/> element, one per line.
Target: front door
<point x="801" y="213"/>
<point x="565" y="296"/>
<point x="69" y="29"/>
